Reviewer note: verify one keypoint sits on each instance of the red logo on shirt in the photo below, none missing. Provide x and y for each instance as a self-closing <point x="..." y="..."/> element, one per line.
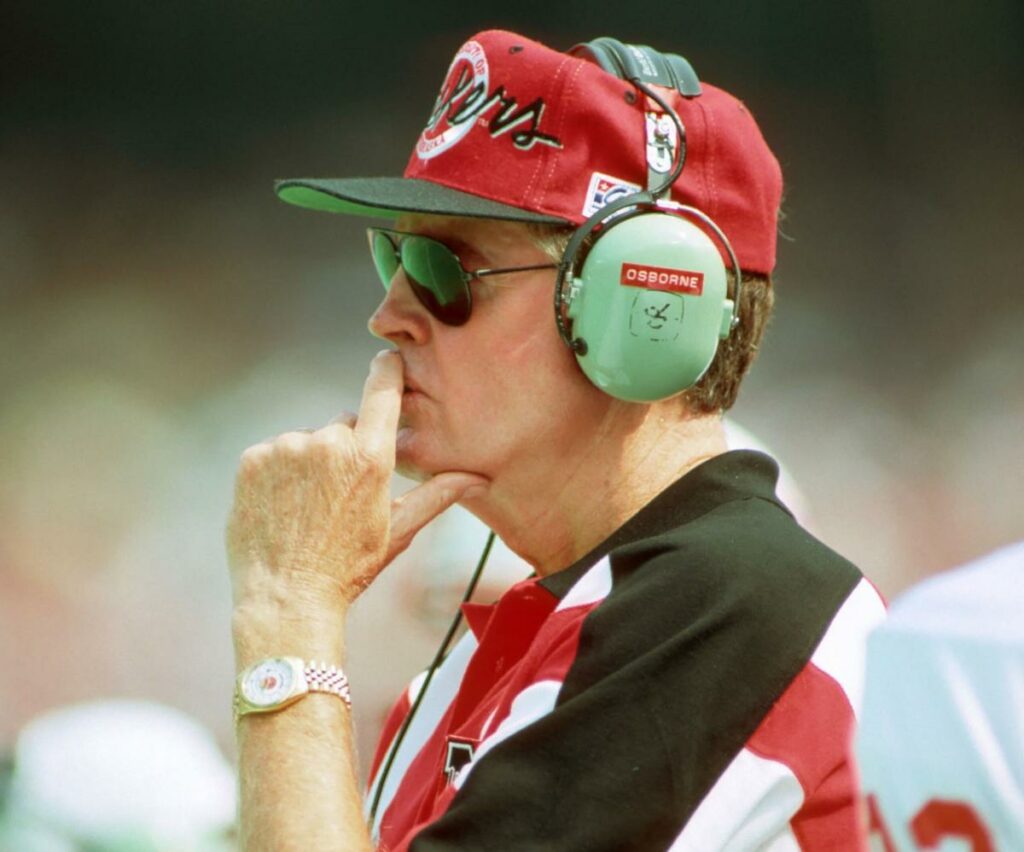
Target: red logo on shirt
<point x="662" y="278"/>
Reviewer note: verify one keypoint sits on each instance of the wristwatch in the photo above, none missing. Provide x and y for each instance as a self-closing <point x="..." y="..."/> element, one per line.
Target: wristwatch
<point x="277" y="682"/>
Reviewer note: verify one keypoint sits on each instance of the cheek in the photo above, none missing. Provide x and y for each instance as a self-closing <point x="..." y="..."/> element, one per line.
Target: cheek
<point x="535" y="378"/>
<point x="535" y="345"/>
<point x="545" y="357"/>
<point x="516" y="381"/>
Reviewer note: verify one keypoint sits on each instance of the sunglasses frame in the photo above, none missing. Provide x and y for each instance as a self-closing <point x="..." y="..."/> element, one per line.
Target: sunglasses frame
<point x="397" y="238"/>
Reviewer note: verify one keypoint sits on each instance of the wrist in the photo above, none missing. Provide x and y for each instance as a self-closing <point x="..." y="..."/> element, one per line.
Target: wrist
<point x="250" y="648"/>
<point x="274" y="627"/>
<point x="256" y="583"/>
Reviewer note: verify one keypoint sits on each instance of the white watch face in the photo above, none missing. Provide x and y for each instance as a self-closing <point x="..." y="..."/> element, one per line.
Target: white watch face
<point x="269" y="683"/>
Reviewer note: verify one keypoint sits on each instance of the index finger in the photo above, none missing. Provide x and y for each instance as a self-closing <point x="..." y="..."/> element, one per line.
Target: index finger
<point x="377" y="424"/>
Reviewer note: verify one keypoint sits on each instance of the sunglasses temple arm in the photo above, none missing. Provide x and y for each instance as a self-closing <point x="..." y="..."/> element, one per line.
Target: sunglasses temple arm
<point x="481" y="273"/>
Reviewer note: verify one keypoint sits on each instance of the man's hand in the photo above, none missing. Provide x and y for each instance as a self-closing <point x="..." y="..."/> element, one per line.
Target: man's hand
<point x="313" y="521"/>
<point x="312" y="526"/>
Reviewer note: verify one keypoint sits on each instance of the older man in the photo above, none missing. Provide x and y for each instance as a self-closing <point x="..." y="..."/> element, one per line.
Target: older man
<point x="577" y="279"/>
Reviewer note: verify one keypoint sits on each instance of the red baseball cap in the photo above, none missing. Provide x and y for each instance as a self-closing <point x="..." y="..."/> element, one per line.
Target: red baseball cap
<point x="525" y="133"/>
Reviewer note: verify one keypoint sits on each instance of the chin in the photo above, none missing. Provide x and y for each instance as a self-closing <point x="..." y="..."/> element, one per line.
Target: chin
<point x="406" y="462"/>
<point x="420" y="455"/>
<point x="409" y="470"/>
<point x="412" y="459"/>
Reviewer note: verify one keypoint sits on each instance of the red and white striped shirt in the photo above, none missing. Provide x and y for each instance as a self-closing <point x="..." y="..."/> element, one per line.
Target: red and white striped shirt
<point x="688" y="685"/>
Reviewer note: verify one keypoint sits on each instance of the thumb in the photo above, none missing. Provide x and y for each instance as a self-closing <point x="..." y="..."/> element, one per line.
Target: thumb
<point x="416" y="508"/>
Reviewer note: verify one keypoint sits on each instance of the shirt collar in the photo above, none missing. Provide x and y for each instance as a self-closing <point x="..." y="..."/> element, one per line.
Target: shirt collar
<point x="735" y="475"/>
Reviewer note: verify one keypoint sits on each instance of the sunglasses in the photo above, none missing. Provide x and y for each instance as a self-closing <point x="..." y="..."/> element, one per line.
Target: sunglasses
<point x="433" y="270"/>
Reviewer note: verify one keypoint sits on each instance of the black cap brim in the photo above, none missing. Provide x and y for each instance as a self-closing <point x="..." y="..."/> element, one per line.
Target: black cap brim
<point x="388" y="197"/>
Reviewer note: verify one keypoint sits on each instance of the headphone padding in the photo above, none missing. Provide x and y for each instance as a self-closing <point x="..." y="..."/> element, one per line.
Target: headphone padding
<point x="649" y="304"/>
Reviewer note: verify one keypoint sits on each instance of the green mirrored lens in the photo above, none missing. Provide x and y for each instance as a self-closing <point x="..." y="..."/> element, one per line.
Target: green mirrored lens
<point x="437" y="278"/>
<point x="385" y="257"/>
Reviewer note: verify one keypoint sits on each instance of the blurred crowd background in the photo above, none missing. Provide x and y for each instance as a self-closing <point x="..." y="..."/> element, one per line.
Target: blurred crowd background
<point x="160" y="310"/>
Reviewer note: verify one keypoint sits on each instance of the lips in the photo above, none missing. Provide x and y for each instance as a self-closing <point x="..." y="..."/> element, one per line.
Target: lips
<point x="412" y="386"/>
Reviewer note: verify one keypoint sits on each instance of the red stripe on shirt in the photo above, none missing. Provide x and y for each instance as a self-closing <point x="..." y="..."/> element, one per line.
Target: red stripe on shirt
<point x="502" y="667"/>
<point x="800" y="731"/>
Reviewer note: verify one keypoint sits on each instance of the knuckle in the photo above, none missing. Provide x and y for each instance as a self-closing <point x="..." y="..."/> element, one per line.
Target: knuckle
<point x="290" y="443"/>
<point x="330" y="437"/>
<point x="374" y="460"/>
<point x="252" y="456"/>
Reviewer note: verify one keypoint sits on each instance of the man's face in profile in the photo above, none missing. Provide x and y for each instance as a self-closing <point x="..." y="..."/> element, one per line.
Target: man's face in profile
<point x="499" y="391"/>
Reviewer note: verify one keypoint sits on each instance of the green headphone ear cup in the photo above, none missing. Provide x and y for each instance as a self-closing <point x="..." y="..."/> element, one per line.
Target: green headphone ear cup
<point x="649" y="304"/>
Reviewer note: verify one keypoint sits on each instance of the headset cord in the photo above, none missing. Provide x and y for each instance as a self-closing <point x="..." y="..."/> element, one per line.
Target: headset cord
<point x="681" y="156"/>
<point x="434" y="666"/>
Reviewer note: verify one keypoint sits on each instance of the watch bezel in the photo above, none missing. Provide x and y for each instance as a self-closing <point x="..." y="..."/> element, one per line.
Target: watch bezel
<point x="249" y="701"/>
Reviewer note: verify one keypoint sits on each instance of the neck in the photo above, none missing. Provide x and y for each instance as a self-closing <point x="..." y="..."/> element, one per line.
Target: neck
<point x="633" y="456"/>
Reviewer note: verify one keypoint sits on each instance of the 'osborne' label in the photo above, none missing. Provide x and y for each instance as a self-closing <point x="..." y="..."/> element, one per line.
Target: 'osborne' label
<point x="662" y="278"/>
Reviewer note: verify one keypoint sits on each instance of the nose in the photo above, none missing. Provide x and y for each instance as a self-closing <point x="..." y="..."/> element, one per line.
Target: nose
<point x="400" y="317"/>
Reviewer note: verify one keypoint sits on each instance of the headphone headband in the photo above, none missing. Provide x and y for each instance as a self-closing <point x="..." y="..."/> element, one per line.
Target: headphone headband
<point x="640" y="63"/>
